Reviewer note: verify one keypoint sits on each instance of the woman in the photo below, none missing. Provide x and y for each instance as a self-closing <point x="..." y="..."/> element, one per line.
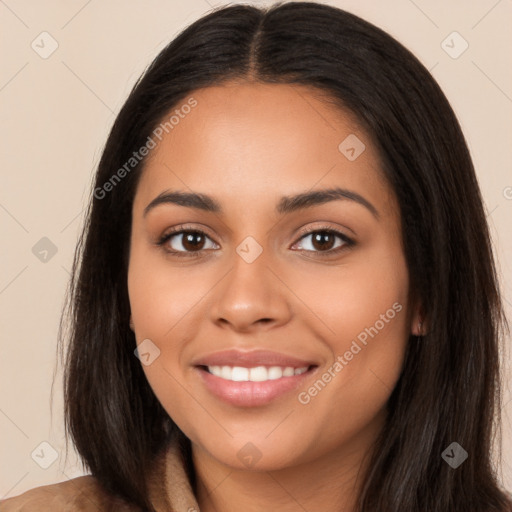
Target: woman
<point x="285" y="295"/>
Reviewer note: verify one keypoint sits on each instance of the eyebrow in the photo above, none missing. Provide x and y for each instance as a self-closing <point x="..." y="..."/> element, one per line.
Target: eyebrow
<point x="287" y="204"/>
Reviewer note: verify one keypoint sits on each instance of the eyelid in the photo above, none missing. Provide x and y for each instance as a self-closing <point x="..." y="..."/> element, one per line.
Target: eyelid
<point x="323" y="227"/>
<point x="180" y="228"/>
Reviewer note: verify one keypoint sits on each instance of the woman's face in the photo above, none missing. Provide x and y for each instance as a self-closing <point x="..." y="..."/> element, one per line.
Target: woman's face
<point x="264" y="291"/>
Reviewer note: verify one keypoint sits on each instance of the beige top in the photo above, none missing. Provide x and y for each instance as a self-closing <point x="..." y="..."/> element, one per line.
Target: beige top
<point x="170" y="491"/>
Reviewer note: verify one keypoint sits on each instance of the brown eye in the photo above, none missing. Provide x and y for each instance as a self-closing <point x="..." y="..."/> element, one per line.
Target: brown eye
<point x="193" y="241"/>
<point x="184" y="242"/>
<point x="324" y="241"/>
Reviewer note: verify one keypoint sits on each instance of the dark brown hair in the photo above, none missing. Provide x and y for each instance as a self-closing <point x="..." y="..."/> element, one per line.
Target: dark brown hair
<point x="449" y="389"/>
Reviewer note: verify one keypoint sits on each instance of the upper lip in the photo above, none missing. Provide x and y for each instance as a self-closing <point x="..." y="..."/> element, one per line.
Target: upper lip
<point x="251" y="359"/>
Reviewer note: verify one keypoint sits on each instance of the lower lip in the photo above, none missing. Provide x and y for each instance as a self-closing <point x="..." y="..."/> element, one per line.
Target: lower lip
<point x="251" y="394"/>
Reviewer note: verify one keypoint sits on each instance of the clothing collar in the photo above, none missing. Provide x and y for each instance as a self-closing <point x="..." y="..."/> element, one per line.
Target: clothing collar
<point x="170" y="488"/>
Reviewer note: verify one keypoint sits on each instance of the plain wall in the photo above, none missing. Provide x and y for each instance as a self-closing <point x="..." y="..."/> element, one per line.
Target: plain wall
<point x="56" y="114"/>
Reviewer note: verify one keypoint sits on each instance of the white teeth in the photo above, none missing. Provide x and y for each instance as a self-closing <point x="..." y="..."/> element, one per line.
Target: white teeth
<point x="239" y="374"/>
<point x="257" y="374"/>
<point x="225" y="372"/>
<point x="275" y="372"/>
<point x="288" y="371"/>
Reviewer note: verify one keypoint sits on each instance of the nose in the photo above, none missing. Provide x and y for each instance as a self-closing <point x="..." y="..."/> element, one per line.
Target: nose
<point x="252" y="295"/>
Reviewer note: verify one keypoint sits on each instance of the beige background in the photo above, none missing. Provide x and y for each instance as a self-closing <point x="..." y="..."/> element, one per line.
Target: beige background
<point x="56" y="114"/>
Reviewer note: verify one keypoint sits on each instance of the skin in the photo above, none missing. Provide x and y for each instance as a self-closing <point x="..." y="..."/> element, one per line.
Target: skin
<point x="248" y="144"/>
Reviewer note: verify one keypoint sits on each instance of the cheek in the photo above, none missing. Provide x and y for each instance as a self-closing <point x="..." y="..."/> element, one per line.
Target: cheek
<point x="166" y="309"/>
<point x="366" y="308"/>
<point x="158" y="301"/>
<point x="161" y="297"/>
<point x="350" y="300"/>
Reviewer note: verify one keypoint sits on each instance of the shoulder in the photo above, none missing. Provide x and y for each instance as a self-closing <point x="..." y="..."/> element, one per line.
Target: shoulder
<point x="83" y="494"/>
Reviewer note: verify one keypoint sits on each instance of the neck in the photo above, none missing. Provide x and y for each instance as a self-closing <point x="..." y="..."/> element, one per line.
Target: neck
<point x="330" y="483"/>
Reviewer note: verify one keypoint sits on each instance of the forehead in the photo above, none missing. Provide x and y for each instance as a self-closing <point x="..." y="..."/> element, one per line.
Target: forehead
<point x="262" y="139"/>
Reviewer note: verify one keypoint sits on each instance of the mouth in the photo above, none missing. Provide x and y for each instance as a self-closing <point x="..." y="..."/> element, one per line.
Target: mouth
<point x="244" y="386"/>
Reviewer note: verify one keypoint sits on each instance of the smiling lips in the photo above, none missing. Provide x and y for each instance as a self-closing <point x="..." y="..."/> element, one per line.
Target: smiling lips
<point x="249" y="379"/>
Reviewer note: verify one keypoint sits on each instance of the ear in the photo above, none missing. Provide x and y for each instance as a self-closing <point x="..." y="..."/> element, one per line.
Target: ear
<point x="132" y="327"/>
<point x="419" y="325"/>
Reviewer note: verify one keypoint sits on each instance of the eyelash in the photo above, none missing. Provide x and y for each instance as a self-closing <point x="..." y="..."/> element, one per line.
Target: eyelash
<point x="178" y="230"/>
